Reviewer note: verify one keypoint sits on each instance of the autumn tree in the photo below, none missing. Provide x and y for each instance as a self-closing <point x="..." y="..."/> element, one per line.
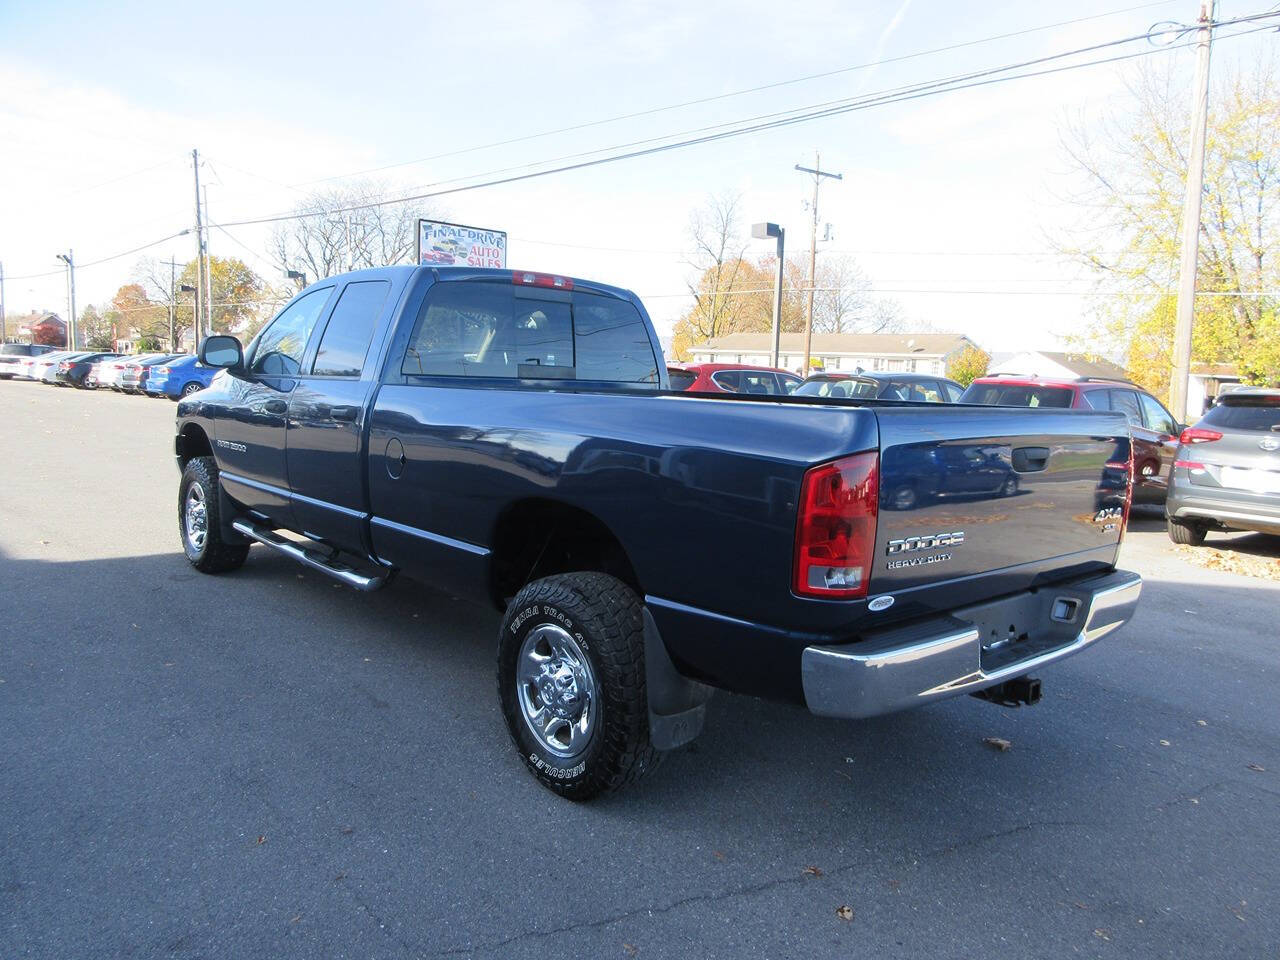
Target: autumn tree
<point x="1133" y="170"/>
<point x="968" y="365"/>
<point x="135" y="315"/>
<point x="328" y="237"/>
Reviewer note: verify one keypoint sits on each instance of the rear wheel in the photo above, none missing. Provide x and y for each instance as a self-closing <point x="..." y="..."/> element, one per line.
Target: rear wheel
<point x="199" y="520"/>
<point x="191" y="388"/>
<point x="571" y="681"/>
<point x="1191" y="534"/>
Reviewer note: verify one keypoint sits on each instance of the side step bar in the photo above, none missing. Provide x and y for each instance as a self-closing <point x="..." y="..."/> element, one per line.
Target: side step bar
<point x="311" y="558"/>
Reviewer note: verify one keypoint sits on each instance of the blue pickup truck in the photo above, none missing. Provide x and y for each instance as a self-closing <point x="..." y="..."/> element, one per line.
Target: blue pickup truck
<point x="510" y="437"/>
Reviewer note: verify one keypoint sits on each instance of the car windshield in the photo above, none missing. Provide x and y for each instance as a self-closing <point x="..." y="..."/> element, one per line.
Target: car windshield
<point x="1007" y="395"/>
<point x="847" y="388"/>
<point x="1261" y="413"/>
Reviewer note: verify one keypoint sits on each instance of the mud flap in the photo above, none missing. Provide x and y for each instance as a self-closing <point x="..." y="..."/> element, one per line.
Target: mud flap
<point x="677" y="705"/>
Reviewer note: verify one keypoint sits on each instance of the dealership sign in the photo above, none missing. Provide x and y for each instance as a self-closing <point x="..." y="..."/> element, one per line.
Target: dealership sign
<point x="454" y="245"/>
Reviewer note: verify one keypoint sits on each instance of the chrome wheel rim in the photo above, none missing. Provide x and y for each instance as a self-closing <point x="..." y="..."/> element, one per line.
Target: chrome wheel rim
<point x="195" y="517"/>
<point x="190" y="388"/>
<point x="556" y="688"/>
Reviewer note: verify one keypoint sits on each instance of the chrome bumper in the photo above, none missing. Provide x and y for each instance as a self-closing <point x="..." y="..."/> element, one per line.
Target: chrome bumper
<point x="944" y="656"/>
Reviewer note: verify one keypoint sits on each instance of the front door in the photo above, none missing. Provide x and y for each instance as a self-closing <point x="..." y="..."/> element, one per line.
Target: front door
<point x="250" y="432"/>
<point x="327" y="415"/>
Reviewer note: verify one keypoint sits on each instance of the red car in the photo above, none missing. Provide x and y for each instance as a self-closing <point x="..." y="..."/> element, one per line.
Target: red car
<point x="1154" y="431"/>
<point x="731" y="378"/>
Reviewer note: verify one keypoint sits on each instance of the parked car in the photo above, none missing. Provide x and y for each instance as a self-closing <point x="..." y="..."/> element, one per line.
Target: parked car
<point x="11" y="355"/>
<point x="1155" y="432"/>
<point x="102" y="373"/>
<point x="510" y="437"/>
<point x="113" y="370"/>
<point x="730" y="378"/>
<point x="133" y="376"/>
<point x="1227" y="473"/>
<point x="45" y="368"/>
<point x="72" y="372"/>
<point x="25" y="368"/>
<point x="179" y="377"/>
<point x="916" y="387"/>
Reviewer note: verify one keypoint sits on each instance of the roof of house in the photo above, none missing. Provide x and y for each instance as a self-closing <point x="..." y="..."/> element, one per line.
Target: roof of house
<point x="868" y="344"/>
<point x="1082" y="366"/>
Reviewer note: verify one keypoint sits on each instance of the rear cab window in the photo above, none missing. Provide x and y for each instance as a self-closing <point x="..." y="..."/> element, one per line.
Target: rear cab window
<point x="487" y="329"/>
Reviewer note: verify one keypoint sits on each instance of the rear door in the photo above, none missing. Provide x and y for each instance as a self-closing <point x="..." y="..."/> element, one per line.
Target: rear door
<point x="327" y="414"/>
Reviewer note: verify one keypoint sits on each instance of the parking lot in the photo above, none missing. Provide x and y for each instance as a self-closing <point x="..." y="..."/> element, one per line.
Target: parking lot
<point x="266" y="764"/>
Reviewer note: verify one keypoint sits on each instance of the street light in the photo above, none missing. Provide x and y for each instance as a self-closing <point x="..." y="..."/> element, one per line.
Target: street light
<point x="297" y="275"/>
<point x="195" y="334"/>
<point x="69" y="260"/>
<point x="762" y="231"/>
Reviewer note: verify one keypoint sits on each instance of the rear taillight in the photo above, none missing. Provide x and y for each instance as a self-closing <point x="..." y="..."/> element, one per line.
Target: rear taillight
<point x="522" y="278"/>
<point x="1189" y="464"/>
<point x="836" y="528"/>
<point x="164" y="370"/>
<point x="1199" y="435"/>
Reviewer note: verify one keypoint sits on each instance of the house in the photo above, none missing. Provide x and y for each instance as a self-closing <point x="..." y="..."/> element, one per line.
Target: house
<point x="46" y="328"/>
<point x="1207" y="382"/>
<point x="911" y="352"/>
<point x="1053" y="365"/>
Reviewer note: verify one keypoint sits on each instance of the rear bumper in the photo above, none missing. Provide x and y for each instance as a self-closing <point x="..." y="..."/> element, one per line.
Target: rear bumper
<point x="1227" y="507"/>
<point x="945" y="656"/>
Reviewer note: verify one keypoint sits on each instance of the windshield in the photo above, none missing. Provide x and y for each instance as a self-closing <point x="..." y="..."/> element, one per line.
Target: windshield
<point x="1261" y="413"/>
<point x="1005" y="395"/>
<point x="849" y="388"/>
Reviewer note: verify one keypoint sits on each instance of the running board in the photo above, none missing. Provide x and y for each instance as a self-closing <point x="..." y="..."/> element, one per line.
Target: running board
<point x="311" y="558"/>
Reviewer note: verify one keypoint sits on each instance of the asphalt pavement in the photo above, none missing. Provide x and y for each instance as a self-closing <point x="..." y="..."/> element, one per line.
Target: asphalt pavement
<point x="266" y="764"/>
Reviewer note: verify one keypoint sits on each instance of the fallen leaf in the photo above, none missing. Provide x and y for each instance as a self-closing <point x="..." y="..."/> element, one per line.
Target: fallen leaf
<point x="295" y="919"/>
<point x="1239" y="911"/>
<point x="717" y="854"/>
<point x="1202" y="723"/>
<point x="813" y="871"/>
<point x="348" y="830"/>
<point x="339" y="876"/>
<point x="631" y="949"/>
<point x="1081" y="906"/>
<point x="1104" y="934"/>
<point x="998" y="742"/>
<point x="844" y="912"/>
<point x="1165" y="743"/>
<point x="262" y="840"/>
<point x="1257" y="768"/>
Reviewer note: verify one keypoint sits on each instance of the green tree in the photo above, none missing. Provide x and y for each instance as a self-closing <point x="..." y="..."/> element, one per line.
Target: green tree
<point x="96" y="329"/>
<point x="967" y="366"/>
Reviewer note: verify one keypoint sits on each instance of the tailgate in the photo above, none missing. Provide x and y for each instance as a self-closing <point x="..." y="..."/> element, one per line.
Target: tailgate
<point x="999" y="497"/>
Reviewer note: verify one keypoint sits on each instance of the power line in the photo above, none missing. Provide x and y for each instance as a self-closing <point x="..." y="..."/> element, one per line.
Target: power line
<point x="114" y="256"/>
<point x="786" y="118"/>
<point x="723" y="96"/>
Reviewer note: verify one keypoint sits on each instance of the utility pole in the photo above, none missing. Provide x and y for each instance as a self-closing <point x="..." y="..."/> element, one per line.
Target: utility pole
<point x="173" y="306"/>
<point x="199" y="300"/>
<point x="208" y="269"/>
<point x="1191" y="218"/>
<point x="818" y="174"/>
<point x="69" y="259"/>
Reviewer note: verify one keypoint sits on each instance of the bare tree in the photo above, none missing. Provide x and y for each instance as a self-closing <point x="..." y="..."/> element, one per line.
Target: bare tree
<point x="330" y="238"/>
<point x="844" y="301"/>
<point x="718" y="249"/>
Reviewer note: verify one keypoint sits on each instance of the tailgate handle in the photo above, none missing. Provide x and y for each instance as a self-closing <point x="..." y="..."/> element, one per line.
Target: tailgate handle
<point x="1030" y="459"/>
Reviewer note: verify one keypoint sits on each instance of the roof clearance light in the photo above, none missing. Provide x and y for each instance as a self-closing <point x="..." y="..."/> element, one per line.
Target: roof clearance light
<point x="550" y="280"/>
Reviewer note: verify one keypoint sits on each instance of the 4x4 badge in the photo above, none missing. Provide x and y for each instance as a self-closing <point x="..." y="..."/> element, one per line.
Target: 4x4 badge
<point x="1269" y="443"/>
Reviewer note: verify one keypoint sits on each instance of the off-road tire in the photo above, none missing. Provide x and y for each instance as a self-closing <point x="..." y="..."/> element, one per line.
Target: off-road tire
<point x="215" y="555"/>
<point x="602" y="614"/>
<point x="1191" y="534"/>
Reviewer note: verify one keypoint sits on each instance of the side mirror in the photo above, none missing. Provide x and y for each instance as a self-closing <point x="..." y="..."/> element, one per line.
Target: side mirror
<point x="222" y="351"/>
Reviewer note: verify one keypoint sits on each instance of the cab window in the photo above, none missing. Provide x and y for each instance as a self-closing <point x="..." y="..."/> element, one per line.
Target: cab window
<point x="279" y="349"/>
<point x="346" y="336"/>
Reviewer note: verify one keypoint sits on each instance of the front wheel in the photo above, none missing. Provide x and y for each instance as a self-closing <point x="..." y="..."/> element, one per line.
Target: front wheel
<point x="199" y="520"/>
<point x="571" y="682"/>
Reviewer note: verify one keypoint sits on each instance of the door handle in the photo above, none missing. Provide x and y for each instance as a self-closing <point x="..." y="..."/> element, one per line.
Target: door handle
<point x="275" y="406"/>
<point x="347" y="413"/>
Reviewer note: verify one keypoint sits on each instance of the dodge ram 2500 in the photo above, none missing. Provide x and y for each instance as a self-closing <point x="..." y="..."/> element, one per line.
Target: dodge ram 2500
<point x="511" y="437"/>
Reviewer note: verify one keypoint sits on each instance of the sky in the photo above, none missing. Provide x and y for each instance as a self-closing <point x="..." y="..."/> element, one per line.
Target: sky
<point x="952" y="205"/>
